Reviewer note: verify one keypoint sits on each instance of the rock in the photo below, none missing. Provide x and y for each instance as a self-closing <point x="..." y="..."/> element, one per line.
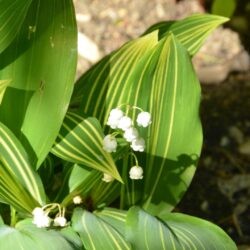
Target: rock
<point x="221" y="53"/>
<point x="244" y="148"/>
<point x="87" y="48"/>
<point x="236" y="134"/>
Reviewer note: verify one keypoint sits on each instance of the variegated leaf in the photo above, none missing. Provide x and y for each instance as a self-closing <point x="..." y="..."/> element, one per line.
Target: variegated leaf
<point x="174" y="231"/>
<point x="18" y="179"/>
<point x="13" y="13"/>
<point x="41" y="63"/>
<point x="81" y="141"/>
<point x="95" y="233"/>
<point x="3" y="85"/>
<point x="191" y="31"/>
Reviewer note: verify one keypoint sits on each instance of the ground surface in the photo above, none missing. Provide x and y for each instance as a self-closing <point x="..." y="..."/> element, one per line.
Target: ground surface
<point x="220" y="190"/>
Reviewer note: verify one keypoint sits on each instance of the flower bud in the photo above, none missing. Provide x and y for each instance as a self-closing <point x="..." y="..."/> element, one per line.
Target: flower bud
<point x="107" y="178"/>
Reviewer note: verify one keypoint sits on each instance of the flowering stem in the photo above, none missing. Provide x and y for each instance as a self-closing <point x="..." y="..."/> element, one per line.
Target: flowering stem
<point x="135" y="158"/>
<point x="12" y="216"/>
<point x="124" y="177"/>
<point x="133" y="193"/>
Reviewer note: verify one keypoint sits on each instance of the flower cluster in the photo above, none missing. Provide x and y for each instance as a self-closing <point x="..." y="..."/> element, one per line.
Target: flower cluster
<point x="118" y="120"/>
<point x="41" y="216"/>
<point x="124" y="126"/>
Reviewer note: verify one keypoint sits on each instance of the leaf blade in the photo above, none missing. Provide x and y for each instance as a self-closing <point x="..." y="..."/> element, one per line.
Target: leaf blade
<point x="174" y="231"/>
<point x="15" y="163"/>
<point x="95" y="233"/>
<point x="41" y="90"/>
<point x="80" y="141"/>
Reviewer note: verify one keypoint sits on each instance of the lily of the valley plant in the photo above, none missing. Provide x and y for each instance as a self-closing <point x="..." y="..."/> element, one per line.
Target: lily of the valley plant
<point x="99" y="164"/>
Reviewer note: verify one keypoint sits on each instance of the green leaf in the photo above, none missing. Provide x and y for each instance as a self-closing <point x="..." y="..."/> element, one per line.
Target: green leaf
<point x="115" y="217"/>
<point x="3" y="85"/>
<point x="41" y="64"/>
<point x="174" y="231"/>
<point x="28" y="236"/>
<point x="159" y="82"/>
<point x="191" y="31"/>
<point x="103" y="193"/>
<point x="82" y="185"/>
<point x="155" y="73"/>
<point x="13" y="193"/>
<point x="17" y="176"/>
<point x="1" y="219"/>
<point x="103" y="81"/>
<point x="170" y="91"/>
<point x="96" y="233"/>
<point x="80" y="141"/>
<point x="12" y="14"/>
<point x="220" y="7"/>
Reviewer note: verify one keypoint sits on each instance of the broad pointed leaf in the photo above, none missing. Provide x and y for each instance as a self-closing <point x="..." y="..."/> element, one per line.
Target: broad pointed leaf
<point x="12" y="14"/>
<point x="28" y="236"/>
<point x="3" y="85"/>
<point x="80" y="183"/>
<point x="80" y="141"/>
<point x="191" y="31"/>
<point x="95" y="233"/>
<point x="169" y="89"/>
<point x="13" y="193"/>
<point x="174" y="231"/>
<point x="41" y="64"/>
<point x="100" y="79"/>
<point x="15" y="165"/>
<point x="115" y="217"/>
<point x="104" y="80"/>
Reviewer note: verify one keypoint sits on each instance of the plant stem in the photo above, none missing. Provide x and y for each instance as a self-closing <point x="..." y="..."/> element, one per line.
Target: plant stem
<point x="12" y="216"/>
<point x="133" y="193"/>
<point x="124" y="177"/>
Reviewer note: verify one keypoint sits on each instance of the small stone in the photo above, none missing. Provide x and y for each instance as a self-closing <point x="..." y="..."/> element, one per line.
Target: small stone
<point x="244" y="148"/>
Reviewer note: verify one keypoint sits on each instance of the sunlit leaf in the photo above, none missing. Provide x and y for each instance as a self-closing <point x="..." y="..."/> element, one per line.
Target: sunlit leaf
<point x="41" y="64"/>
<point x="115" y="217"/>
<point x="95" y="233"/>
<point x="3" y="85"/>
<point x="174" y="231"/>
<point x="18" y="178"/>
<point x="81" y="185"/>
<point x="155" y="73"/>
<point x="12" y="16"/>
<point x="191" y="31"/>
<point x="80" y="141"/>
<point x="27" y="236"/>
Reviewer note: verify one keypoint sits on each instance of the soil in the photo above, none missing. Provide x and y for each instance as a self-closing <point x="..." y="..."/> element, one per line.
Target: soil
<point x="220" y="190"/>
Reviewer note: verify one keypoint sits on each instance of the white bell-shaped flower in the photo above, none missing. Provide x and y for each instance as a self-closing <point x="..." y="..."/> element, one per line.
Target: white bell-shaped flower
<point x="136" y="173"/>
<point x="124" y="123"/>
<point x="114" y="117"/>
<point x="38" y="211"/>
<point x="60" y="221"/>
<point x="143" y="119"/>
<point x="138" y="144"/>
<point x="109" y="143"/>
<point x="131" y="134"/>
<point x="40" y="219"/>
<point x="107" y="178"/>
